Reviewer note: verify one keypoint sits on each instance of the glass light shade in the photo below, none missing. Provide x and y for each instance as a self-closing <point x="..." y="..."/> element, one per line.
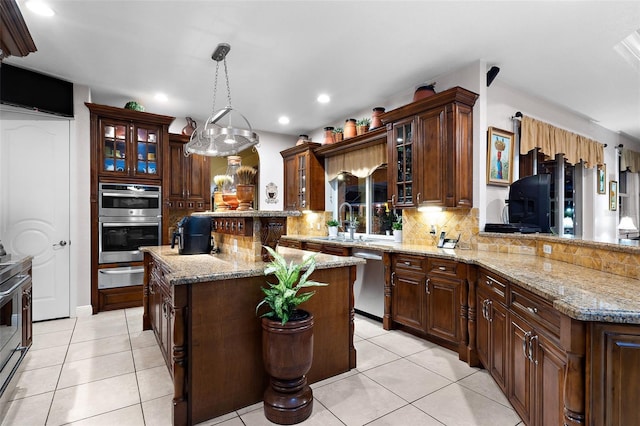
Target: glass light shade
<point x="626" y="225"/>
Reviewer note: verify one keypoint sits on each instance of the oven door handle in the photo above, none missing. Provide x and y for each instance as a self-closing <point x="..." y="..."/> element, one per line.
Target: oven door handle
<point x="23" y="279"/>
<point x="121" y="272"/>
<point x="116" y="224"/>
<point x="127" y="195"/>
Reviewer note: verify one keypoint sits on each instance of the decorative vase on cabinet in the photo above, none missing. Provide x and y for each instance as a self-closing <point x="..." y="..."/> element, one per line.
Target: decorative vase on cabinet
<point x="229" y="189"/>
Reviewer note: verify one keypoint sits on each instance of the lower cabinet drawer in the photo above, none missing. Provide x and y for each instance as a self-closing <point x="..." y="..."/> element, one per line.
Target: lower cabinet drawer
<point x="495" y="285"/>
<point x="535" y="309"/>
<point x="444" y="267"/>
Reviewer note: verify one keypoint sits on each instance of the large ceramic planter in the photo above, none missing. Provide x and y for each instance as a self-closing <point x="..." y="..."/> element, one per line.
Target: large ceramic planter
<point x="397" y="235"/>
<point x="287" y="353"/>
<point x="333" y="232"/>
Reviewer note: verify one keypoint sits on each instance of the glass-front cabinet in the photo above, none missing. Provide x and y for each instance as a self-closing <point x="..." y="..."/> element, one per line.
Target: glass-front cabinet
<point x="402" y="159"/>
<point x="303" y="178"/>
<point x="129" y="149"/>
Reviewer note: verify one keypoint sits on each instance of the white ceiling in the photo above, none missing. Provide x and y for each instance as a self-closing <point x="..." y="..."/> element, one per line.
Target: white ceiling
<point x="284" y="53"/>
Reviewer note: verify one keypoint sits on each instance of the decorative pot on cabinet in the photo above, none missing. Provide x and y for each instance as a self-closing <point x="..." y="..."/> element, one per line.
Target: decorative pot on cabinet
<point x="375" y="117"/>
<point x="349" y="128"/>
<point x="424" y="92"/>
<point x="329" y="137"/>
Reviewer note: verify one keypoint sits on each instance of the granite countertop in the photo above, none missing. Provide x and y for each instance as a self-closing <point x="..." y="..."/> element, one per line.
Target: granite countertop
<point x="250" y="213"/>
<point x="195" y="268"/>
<point x="581" y="293"/>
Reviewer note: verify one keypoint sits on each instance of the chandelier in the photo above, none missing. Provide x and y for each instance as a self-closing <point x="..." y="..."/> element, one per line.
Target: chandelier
<point x="226" y="132"/>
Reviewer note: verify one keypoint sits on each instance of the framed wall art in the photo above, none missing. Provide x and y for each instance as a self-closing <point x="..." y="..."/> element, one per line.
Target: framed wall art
<point x="613" y="195"/>
<point x="601" y="178"/>
<point x="499" y="156"/>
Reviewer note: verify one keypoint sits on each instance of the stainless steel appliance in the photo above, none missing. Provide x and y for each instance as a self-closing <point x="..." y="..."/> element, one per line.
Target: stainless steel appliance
<point x="119" y="238"/>
<point x="12" y="279"/>
<point x="129" y="216"/>
<point x="129" y="200"/>
<point x="368" y="287"/>
<point x="193" y="235"/>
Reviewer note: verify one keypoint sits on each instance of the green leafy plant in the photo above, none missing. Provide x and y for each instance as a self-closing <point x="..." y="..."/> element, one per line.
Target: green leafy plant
<point x="363" y="122"/>
<point x="282" y="298"/>
<point x="337" y="130"/>
<point x="397" y="225"/>
<point x="333" y="222"/>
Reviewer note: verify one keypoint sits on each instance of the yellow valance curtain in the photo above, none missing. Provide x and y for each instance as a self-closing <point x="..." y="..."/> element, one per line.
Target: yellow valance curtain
<point x="552" y="140"/>
<point x="360" y="163"/>
<point x="630" y="160"/>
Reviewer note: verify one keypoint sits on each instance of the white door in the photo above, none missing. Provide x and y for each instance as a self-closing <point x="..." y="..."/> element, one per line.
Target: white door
<point x="34" y="204"/>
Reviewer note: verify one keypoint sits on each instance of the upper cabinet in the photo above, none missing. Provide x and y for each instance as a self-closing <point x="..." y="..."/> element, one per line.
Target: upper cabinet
<point x="15" y="39"/>
<point x="303" y="178"/>
<point x="127" y="144"/>
<point x="187" y="179"/>
<point x="430" y="151"/>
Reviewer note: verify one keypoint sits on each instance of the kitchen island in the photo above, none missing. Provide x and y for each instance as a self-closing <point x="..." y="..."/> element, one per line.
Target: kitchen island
<point x="202" y="310"/>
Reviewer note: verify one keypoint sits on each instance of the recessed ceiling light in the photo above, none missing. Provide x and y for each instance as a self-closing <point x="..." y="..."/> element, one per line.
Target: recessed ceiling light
<point x="324" y="98"/>
<point x="161" y="97"/>
<point x="283" y="120"/>
<point x="39" y="8"/>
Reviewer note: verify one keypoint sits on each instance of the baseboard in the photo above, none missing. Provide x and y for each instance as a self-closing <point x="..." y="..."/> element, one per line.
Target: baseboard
<point x="84" y="311"/>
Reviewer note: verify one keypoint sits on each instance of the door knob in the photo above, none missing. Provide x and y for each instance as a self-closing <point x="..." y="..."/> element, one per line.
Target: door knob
<point x="62" y="243"/>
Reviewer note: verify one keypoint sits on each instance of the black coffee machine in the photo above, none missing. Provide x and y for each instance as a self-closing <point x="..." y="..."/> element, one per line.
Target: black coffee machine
<point x="193" y="235"/>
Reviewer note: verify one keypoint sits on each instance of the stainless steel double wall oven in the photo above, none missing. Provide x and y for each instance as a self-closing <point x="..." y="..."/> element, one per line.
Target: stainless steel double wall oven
<point x="129" y="216"/>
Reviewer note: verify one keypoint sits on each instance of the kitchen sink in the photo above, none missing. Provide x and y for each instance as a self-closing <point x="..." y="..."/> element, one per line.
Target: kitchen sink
<point x="357" y="240"/>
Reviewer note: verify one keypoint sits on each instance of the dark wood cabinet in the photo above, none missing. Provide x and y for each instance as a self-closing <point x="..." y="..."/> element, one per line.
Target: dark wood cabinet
<point x="430" y="151"/>
<point x="408" y="291"/>
<point x="161" y="311"/>
<point x="27" y="310"/>
<point x="614" y="351"/>
<point x="186" y="183"/>
<point x="303" y="178"/>
<point x="445" y="279"/>
<point x="126" y="147"/>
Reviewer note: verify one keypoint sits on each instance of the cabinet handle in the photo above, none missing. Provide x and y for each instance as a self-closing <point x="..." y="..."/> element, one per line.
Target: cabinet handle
<point x="484" y="309"/>
<point x="427" y="285"/>
<point x="393" y="278"/>
<point x="393" y="200"/>
<point x="525" y="342"/>
<point x="442" y="268"/>
<point x="489" y="311"/>
<point x="418" y="197"/>
<point x="489" y="283"/>
<point x="407" y="263"/>
<point x="533" y="310"/>
<point x="531" y="339"/>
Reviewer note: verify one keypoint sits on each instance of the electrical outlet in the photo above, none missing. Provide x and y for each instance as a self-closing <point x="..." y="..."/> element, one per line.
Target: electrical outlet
<point x="546" y="248"/>
<point x="235" y="245"/>
<point x="318" y="226"/>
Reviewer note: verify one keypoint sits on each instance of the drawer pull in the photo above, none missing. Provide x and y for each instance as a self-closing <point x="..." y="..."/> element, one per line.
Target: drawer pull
<point x="407" y="263"/>
<point x="427" y="285"/>
<point x="489" y="283"/>
<point x="532" y="310"/>
<point x="442" y="268"/>
<point x="393" y="278"/>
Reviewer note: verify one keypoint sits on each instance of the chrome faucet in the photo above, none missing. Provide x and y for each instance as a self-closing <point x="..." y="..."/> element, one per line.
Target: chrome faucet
<point x="351" y="227"/>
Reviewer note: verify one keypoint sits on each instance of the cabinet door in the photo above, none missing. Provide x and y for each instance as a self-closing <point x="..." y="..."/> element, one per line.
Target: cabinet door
<point x="431" y="150"/>
<point x="175" y="188"/>
<point x="198" y="175"/>
<point x="401" y="170"/>
<point x="145" y="159"/>
<point x="550" y="364"/>
<point x="113" y="147"/>
<point x="290" y="184"/>
<point x="408" y="291"/>
<point x="167" y="329"/>
<point x="443" y="308"/>
<point x="483" y="329"/>
<point x="498" y="350"/>
<point x="520" y="382"/>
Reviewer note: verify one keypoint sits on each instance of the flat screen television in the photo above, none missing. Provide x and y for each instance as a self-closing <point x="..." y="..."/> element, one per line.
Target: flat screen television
<point x="38" y="92"/>
<point x="530" y="201"/>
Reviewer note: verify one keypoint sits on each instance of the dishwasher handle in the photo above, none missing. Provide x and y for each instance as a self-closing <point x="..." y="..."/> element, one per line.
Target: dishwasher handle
<point x="367" y="255"/>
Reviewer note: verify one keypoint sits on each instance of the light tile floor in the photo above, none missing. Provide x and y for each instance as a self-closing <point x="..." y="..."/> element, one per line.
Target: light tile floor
<point x="104" y="370"/>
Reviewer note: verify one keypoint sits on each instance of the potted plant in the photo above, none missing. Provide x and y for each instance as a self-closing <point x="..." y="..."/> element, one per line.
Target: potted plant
<point x="337" y="133"/>
<point x="397" y="230"/>
<point x="245" y="189"/>
<point x="362" y="126"/>
<point x="333" y="227"/>
<point x="287" y="340"/>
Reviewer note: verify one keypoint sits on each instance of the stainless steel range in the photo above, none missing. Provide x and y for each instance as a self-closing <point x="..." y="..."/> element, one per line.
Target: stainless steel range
<point x="14" y="276"/>
<point x="129" y="216"/>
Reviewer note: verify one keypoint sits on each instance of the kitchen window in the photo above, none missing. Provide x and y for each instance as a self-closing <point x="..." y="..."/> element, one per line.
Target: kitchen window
<point x="368" y="199"/>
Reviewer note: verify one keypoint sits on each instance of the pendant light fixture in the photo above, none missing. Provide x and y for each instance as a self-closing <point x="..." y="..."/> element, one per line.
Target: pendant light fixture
<point x="220" y="135"/>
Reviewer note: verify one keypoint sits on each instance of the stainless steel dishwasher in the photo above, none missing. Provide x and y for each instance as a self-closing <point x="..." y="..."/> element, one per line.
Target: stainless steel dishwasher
<point x="369" y="285"/>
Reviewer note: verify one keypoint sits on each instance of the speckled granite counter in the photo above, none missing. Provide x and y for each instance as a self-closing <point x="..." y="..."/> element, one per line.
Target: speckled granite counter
<point x="581" y="293"/>
<point x="189" y="269"/>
